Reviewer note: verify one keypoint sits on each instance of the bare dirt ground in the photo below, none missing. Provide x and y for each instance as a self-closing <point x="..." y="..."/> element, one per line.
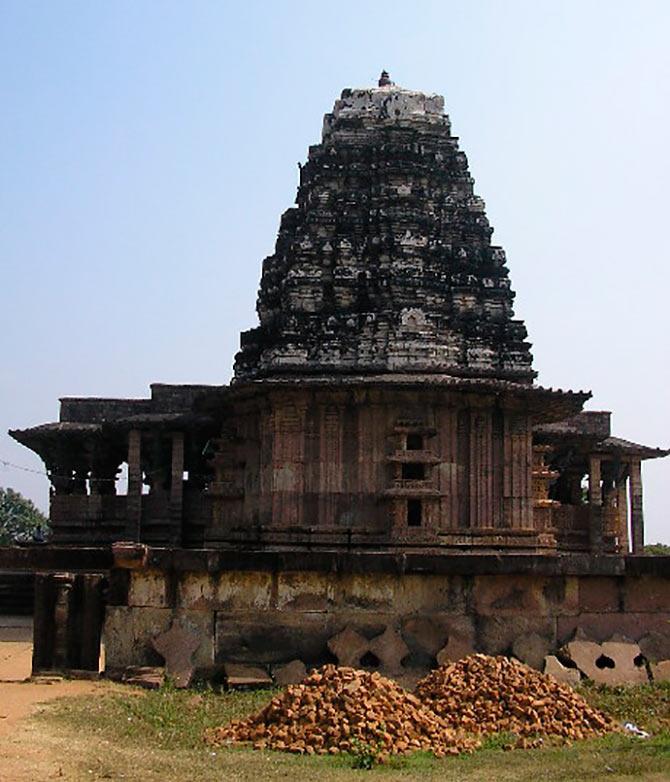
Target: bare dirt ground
<point x="24" y="755"/>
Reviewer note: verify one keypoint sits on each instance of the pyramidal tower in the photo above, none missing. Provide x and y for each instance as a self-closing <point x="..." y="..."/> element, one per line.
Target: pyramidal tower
<point x="385" y="263"/>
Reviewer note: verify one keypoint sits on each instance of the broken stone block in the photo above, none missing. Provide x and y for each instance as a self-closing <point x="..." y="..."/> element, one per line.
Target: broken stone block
<point x="421" y="633"/>
<point x="497" y="634"/>
<point x="290" y="673"/>
<point x="177" y="647"/>
<point x="614" y="662"/>
<point x="661" y="671"/>
<point x="455" y="649"/>
<point x="147" y="677"/>
<point x="238" y="675"/>
<point x="531" y="649"/>
<point x="655" y="646"/>
<point x="584" y="654"/>
<point x="389" y="648"/>
<point x="349" y="646"/>
<point x="554" y="667"/>
<point x="629" y="664"/>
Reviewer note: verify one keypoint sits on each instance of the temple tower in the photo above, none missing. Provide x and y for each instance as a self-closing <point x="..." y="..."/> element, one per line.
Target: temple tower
<point x="385" y="264"/>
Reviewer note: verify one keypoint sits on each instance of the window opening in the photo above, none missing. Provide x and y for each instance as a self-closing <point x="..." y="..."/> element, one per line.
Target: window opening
<point x="414" y="513"/>
<point x="413" y="471"/>
<point x="414" y="442"/>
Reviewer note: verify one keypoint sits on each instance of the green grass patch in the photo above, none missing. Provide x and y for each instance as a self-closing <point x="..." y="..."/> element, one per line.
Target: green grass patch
<point x="645" y="705"/>
<point x="158" y="734"/>
<point x="166" y="718"/>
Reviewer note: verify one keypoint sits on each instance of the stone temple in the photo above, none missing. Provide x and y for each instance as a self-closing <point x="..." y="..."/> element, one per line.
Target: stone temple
<point x="382" y="446"/>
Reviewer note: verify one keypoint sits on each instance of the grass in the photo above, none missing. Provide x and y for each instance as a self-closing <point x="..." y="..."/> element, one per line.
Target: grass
<point x="158" y="735"/>
<point x="646" y="705"/>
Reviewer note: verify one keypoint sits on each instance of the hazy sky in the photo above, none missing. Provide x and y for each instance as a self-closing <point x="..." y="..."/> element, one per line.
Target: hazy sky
<point x="147" y="150"/>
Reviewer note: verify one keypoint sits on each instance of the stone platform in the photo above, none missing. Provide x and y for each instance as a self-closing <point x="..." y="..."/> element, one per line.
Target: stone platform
<point x="401" y="612"/>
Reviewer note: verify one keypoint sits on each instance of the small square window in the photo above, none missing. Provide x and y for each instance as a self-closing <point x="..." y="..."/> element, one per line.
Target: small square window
<point x="414" y="513"/>
<point x="414" y="442"/>
<point x="413" y="471"/>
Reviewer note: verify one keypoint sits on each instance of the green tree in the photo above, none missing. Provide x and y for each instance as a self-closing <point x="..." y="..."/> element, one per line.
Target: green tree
<point x="20" y="520"/>
<point x="661" y="549"/>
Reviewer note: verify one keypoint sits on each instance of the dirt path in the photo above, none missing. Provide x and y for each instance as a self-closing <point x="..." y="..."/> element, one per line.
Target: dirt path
<point x="23" y="754"/>
<point x="18" y="695"/>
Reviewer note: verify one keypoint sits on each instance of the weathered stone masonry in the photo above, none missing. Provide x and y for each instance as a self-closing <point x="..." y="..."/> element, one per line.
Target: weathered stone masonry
<point x="271" y="609"/>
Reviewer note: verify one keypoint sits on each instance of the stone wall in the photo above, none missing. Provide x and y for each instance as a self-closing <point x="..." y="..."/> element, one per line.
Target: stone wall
<point x="271" y="615"/>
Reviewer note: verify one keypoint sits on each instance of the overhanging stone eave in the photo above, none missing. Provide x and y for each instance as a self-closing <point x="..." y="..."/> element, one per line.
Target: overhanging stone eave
<point x="545" y="404"/>
<point x="52" y="431"/>
<point x="625" y="448"/>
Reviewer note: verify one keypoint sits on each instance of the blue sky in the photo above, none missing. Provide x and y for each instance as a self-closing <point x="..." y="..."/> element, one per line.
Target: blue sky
<point x="147" y="150"/>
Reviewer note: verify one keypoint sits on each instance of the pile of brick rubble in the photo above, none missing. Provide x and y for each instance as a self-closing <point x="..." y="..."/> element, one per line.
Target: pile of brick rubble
<point x="482" y="694"/>
<point x="341" y="709"/>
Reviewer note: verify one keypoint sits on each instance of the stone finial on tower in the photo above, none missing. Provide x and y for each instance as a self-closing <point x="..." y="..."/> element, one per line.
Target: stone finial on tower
<point x="385" y="80"/>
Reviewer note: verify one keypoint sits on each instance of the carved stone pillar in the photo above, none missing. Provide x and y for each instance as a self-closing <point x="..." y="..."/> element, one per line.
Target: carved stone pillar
<point x="575" y="487"/>
<point x="595" y="503"/>
<point x="79" y="479"/>
<point x="636" y="516"/>
<point x="61" y="477"/>
<point x="622" y="508"/>
<point x="103" y="475"/>
<point x="177" y="488"/>
<point x="134" y="502"/>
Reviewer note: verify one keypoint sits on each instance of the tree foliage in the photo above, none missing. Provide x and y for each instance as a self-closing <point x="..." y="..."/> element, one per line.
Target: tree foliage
<point x="20" y="520"/>
<point x="660" y="549"/>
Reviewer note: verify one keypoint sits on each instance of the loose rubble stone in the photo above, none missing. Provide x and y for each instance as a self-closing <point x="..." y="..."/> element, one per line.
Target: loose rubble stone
<point x="335" y="708"/>
<point x="290" y="673"/>
<point x="483" y="694"/>
<point x="177" y="647"/>
<point x="554" y="667"/>
<point x="349" y="646"/>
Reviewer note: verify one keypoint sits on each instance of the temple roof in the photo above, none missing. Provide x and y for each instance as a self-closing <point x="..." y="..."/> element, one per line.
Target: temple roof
<point x="544" y="404"/>
<point x="385" y="264"/>
<point x="589" y="432"/>
<point x="619" y="445"/>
